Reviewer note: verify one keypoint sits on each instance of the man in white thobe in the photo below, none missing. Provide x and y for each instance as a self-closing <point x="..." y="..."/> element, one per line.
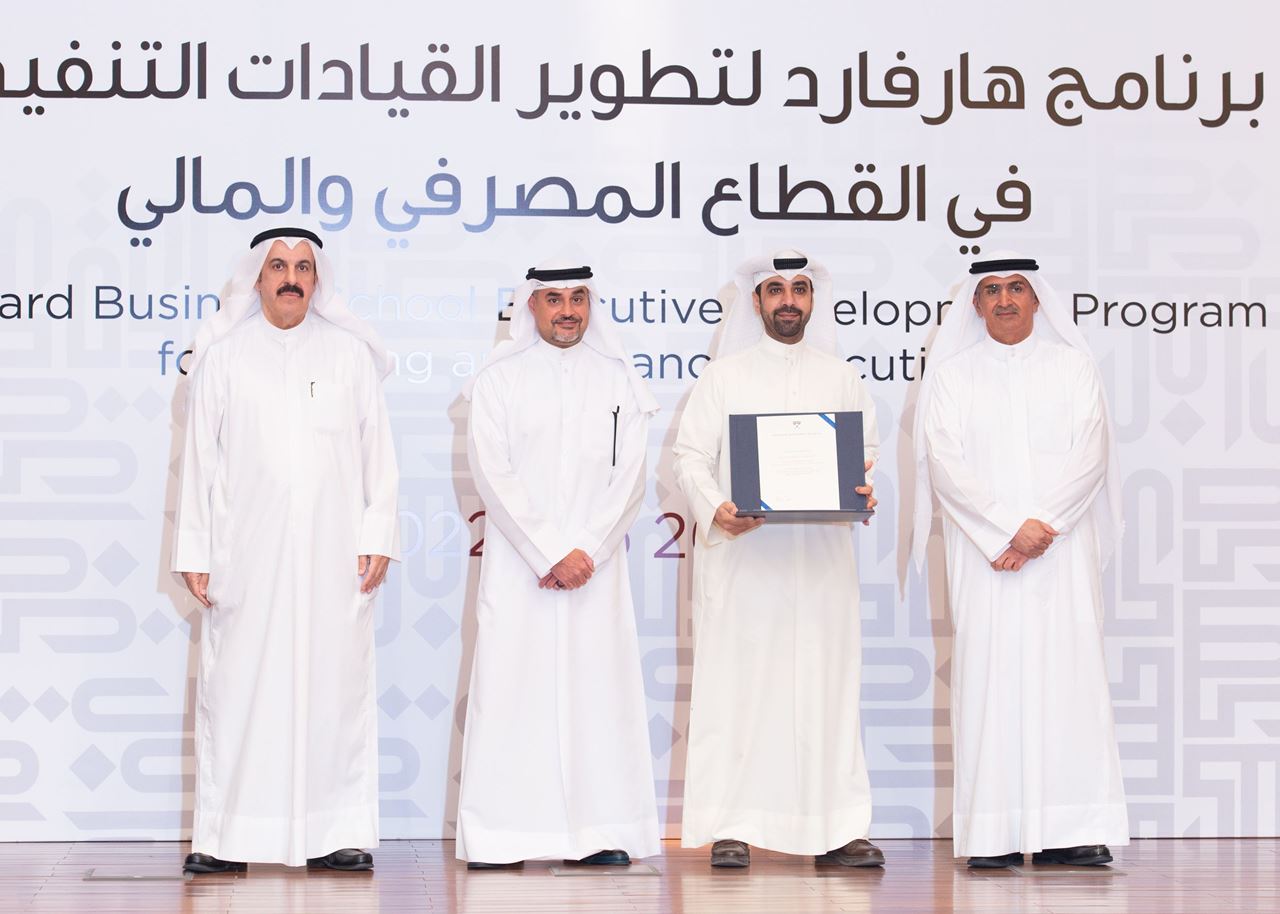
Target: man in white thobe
<point x="286" y="522"/>
<point x="555" y="758"/>
<point x="775" y="754"/>
<point x="1013" y="437"/>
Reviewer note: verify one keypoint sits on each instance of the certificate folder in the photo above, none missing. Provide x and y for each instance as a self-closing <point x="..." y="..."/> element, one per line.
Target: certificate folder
<point x="797" y="467"/>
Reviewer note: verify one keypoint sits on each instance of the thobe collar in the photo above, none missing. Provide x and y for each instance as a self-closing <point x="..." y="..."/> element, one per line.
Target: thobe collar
<point x="294" y="335"/>
<point x="566" y="356"/>
<point x="790" y="352"/>
<point x="1005" y="353"/>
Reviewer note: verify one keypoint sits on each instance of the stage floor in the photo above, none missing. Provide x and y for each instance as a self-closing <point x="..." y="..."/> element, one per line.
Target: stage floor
<point x="1211" y="875"/>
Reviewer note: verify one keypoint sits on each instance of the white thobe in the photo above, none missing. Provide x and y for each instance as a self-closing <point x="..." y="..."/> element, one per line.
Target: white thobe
<point x="775" y="753"/>
<point x="289" y="474"/>
<point x="1018" y="432"/>
<point x="555" y="759"/>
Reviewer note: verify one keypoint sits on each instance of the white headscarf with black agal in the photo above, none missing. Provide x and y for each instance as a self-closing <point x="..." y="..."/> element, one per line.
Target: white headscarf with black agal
<point x="240" y="300"/>
<point x="744" y="327"/>
<point x="601" y="335"/>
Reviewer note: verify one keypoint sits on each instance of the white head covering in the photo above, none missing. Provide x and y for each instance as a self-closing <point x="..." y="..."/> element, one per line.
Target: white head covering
<point x="963" y="327"/>
<point x="600" y="335"/>
<point x="240" y="299"/>
<point x="744" y="328"/>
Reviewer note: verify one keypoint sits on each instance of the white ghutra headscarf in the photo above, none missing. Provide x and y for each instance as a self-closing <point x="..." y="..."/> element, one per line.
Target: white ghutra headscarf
<point x="743" y="327"/>
<point x="240" y="298"/>
<point x="600" y="335"/>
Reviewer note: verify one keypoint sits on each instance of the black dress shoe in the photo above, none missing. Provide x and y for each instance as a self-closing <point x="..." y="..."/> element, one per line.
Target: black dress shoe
<point x="348" y="859"/>
<point x="730" y="853"/>
<point x="1084" y="855"/>
<point x="479" y="865"/>
<point x="995" y="863"/>
<point x="603" y="858"/>
<point x="858" y="852"/>
<point x="203" y="863"/>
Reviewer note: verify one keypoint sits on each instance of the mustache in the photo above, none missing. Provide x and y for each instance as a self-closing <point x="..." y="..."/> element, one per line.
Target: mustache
<point x="288" y="287"/>
<point x="788" y="310"/>
<point x="567" y="320"/>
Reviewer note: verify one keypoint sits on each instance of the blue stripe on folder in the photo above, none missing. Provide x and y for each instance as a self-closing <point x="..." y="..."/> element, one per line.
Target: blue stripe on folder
<point x="830" y="420"/>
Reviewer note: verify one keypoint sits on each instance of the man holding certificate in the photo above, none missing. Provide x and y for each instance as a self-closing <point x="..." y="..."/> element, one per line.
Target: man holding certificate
<point x="775" y="753"/>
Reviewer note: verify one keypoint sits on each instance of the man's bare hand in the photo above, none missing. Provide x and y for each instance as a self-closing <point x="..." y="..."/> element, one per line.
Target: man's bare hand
<point x="1010" y="560"/>
<point x="373" y="568"/>
<point x="867" y="490"/>
<point x="198" y="583"/>
<point x="1033" y="538"/>
<point x="727" y="519"/>
<point x="571" y="572"/>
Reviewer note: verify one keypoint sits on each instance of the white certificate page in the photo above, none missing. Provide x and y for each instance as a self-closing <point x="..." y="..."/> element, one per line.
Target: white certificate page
<point x="798" y="469"/>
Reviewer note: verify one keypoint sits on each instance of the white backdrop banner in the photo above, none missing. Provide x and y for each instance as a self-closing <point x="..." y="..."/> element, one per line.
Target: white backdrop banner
<point x="442" y="149"/>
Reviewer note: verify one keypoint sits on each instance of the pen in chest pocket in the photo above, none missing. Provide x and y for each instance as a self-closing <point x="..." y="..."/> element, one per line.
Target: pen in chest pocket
<point x="613" y="461"/>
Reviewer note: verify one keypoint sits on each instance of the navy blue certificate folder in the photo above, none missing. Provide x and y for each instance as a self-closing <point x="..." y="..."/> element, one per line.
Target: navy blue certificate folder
<point x="744" y="470"/>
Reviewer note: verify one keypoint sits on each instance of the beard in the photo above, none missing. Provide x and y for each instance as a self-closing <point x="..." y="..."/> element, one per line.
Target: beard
<point x="787" y="322"/>
<point x="567" y="332"/>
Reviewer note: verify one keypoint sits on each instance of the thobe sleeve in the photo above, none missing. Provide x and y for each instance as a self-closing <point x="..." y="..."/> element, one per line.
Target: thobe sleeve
<point x="697" y="455"/>
<point x="988" y="522"/>
<point x="615" y="509"/>
<point x="505" y="500"/>
<point x="1084" y="472"/>
<point x="380" y="522"/>
<point x="193" y="526"/>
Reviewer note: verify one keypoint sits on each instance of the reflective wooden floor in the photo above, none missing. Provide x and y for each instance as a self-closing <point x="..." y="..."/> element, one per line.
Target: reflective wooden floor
<point x="1217" y="876"/>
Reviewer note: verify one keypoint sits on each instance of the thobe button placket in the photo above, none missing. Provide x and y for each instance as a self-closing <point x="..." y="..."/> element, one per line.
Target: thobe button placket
<point x="1016" y="380"/>
<point x="565" y="359"/>
<point x="791" y="359"/>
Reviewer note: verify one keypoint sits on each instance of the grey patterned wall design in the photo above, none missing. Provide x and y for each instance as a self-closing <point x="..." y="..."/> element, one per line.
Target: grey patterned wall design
<point x="98" y="641"/>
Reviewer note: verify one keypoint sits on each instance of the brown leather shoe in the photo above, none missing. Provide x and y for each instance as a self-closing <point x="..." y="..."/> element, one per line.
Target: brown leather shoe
<point x="858" y="852"/>
<point x="730" y="853"/>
